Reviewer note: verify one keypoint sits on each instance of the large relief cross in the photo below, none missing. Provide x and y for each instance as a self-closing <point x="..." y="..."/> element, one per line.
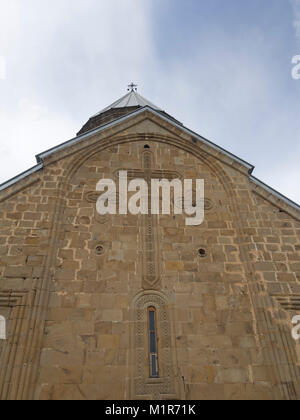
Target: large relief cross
<point x="151" y="279"/>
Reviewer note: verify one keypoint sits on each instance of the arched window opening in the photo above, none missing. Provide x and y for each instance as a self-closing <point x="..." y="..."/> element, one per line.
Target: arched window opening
<point x="153" y="354"/>
<point x="2" y="328"/>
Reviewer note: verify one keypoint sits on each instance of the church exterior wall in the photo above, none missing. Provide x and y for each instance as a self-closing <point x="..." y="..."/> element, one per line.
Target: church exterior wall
<point x="74" y="284"/>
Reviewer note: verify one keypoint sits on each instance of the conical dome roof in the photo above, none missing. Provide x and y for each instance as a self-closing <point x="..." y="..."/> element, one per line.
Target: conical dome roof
<point x="131" y="99"/>
<point x="131" y="102"/>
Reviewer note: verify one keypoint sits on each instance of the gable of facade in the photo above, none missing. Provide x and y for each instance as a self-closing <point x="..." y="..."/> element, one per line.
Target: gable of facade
<point x="77" y="286"/>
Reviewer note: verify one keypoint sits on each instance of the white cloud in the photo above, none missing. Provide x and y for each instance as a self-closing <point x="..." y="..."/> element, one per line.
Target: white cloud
<point x="8" y="31"/>
<point x="9" y="18"/>
<point x="26" y="132"/>
<point x="296" y="12"/>
<point x="236" y="97"/>
<point x="2" y="68"/>
<point x="67" y="60"/>
<point x="63" y="58"/>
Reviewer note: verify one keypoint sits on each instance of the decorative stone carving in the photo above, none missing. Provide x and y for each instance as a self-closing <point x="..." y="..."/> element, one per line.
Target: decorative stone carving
<point x="144" y="386"/>
<point x="149" y="228"/>
<point x="91" y="196"/>
<point x="14" y="304"/>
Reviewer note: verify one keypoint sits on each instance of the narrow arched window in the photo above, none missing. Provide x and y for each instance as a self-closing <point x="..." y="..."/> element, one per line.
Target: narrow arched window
<point x="2" y="328"/>
<point x="153" y="354"/>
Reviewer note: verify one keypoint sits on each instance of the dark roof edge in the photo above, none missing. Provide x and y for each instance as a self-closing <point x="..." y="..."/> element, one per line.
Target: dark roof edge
<point x="77" y="139"/>
<point x="90" y="133"/>
<point x="275" y="192"/>
<point x="19" y="177"/>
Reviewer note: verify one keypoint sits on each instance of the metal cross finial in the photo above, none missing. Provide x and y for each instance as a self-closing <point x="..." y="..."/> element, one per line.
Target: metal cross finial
<point x="132" y="87"/>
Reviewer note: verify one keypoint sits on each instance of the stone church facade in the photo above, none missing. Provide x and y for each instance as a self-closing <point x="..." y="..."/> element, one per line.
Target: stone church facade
<point x="82" y="295"/>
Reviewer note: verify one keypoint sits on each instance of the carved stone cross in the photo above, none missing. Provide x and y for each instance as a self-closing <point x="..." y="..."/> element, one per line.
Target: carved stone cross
<point x="150" y="250"/>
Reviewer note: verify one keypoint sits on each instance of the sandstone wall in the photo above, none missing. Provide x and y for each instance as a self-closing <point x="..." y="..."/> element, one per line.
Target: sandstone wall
<point x="75" y="286"/>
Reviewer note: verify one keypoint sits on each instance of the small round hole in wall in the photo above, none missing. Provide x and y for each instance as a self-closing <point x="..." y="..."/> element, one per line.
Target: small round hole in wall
<point x="146" y="146"/>
<point x="100" y="250"/>
<point x="202" y="252"/>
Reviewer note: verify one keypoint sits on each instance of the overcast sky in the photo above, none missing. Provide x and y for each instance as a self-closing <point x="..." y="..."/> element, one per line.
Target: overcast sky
<point x="221" y="68"/>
